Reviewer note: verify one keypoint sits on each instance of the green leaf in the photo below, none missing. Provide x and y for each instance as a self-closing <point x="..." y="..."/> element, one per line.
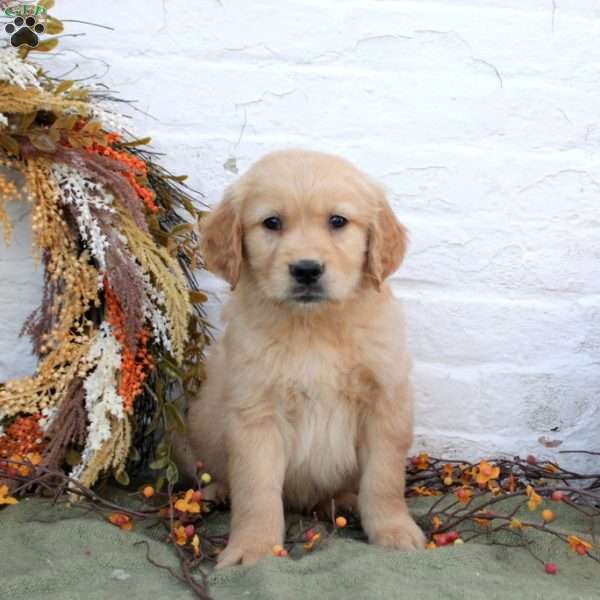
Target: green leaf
<point x="171" y="368"/>
<point x="122" y="477"/>
<point x="174" y="419"/>
<point x="159" y="463"/>
<point x="54" y="26"/>
<point x="140" y="142"/>
<point x="46" y="45"/>
<point x="10" y="144"/>
<point x="159" y="483"/>
<point x="72" y="457"/>
<point x="134" y="454"/>
<point x="63" y="86"/>
<point x="172" y="473"/>
<point x="197" y="297"/>
<point x="43" y="142"/>
<point x="178" y="178"/>
<point x="182" y="228"/>
<point x="26" y="120"/>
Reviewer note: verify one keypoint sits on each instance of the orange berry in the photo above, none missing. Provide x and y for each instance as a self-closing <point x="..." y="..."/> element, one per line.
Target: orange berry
<point x="548" y="515"/>
<point x="277" y="548"/>
<point x="448" y="481"/>
<point x="148" y="491"/>
<point x="341" y="522"/>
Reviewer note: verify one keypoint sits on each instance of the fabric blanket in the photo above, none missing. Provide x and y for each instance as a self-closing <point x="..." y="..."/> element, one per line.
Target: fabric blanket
<point x="67" y="554"/>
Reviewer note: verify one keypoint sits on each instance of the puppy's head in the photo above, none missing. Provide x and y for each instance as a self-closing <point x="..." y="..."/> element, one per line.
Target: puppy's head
<point x="304" y="228"/>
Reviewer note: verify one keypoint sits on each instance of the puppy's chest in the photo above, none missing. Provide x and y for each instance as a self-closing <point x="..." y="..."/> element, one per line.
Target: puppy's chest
<point x="319" y="411"/>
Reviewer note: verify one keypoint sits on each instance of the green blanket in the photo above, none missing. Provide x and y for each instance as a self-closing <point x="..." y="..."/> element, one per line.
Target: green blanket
<point x="64" y="554"/>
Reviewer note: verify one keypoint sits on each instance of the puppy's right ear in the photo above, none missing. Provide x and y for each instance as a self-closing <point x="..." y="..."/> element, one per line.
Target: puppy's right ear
<point x="221" y="242"/>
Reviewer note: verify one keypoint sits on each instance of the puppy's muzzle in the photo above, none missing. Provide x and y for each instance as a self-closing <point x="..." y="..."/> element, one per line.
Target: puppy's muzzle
<point x="307" y="274"/>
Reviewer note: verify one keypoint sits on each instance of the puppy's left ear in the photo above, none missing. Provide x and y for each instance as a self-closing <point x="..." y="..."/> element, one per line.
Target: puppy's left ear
<point x="387" y="243"/>
<point x="221" y="237"/>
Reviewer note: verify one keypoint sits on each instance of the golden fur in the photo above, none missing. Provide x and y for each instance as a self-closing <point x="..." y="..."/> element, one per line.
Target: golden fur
<point x="306" y="400"/>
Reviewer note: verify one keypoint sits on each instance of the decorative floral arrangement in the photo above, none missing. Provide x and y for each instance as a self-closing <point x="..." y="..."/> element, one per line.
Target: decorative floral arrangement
<point x="120" y="331"/>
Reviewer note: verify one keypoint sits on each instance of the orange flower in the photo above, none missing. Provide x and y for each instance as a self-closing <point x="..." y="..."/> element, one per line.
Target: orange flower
<point x="464" y="494"/>
<point x="421" y="461"/>
<point x="483" y="519"/>
<point x="24" y="437"/>
<point x="122" y="521"/>
<point x="423" y="491"/>
<point x="494" y="488"/>
<point x="179" y="535"/>
<point x="196" y="545"/>
<point x="486" y="471"/>
<point x="534" y="498"/>
<point x="468" y="474"/>
<point x="313" y="540"/>
<point x="578" y="545"/>
<point x="4" y="497"/>
<point x="34" y="458"/>
<point x="187" y="504"/>
<point x="511" y="484"/>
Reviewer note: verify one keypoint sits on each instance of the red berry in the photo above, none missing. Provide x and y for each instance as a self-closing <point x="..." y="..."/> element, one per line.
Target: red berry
<point x="190" y="531"/>
<point x="550" y="568"/>
<point x="309" y="535"/>
<point x="452" y="536"/>
<point x="581" y="549"/>
<point x="283" y="553"/>
<point x="557" y="495"/>
<point x="197" y="496"/>
<point x="414" y="460"/>
<point x="441" y="539"/>
<point x="531" y="459"/>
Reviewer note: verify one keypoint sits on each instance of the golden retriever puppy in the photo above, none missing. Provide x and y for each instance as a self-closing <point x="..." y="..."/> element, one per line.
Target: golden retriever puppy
<point x="307" y="393"/>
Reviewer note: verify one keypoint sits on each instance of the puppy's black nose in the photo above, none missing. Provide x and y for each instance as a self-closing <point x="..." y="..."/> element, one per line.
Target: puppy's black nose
<point x="306" y="272"/>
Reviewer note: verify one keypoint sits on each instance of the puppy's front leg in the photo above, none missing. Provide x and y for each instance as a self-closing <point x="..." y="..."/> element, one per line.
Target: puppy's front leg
<point x="384" y="513"/>
<point x="256" y="474"/>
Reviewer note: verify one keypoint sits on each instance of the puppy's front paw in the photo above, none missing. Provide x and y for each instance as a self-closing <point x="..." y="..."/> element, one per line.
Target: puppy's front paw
<point x="400" y="534"/>
<point x="244" y="552"/>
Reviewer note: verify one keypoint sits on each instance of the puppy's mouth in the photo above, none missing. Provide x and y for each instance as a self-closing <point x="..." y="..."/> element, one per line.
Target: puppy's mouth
<point x="303" y="294"/>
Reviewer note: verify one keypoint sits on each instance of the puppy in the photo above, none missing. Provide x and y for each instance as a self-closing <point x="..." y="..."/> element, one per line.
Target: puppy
<point x="307" y="394"/>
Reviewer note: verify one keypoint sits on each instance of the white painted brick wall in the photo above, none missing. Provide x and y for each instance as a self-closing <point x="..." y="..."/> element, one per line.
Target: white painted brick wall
<point x="481" y="118"/>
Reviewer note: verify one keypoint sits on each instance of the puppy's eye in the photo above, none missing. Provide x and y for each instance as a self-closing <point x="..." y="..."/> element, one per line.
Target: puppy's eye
<point x="272" y="223"/>
<point x="337" y="221"/>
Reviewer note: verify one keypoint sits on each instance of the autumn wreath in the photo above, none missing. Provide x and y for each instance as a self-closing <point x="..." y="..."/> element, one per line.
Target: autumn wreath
<point x="120" y="331"/>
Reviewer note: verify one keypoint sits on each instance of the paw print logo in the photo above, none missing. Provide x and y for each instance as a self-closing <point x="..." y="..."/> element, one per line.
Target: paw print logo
<point x="24" y="32"/>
